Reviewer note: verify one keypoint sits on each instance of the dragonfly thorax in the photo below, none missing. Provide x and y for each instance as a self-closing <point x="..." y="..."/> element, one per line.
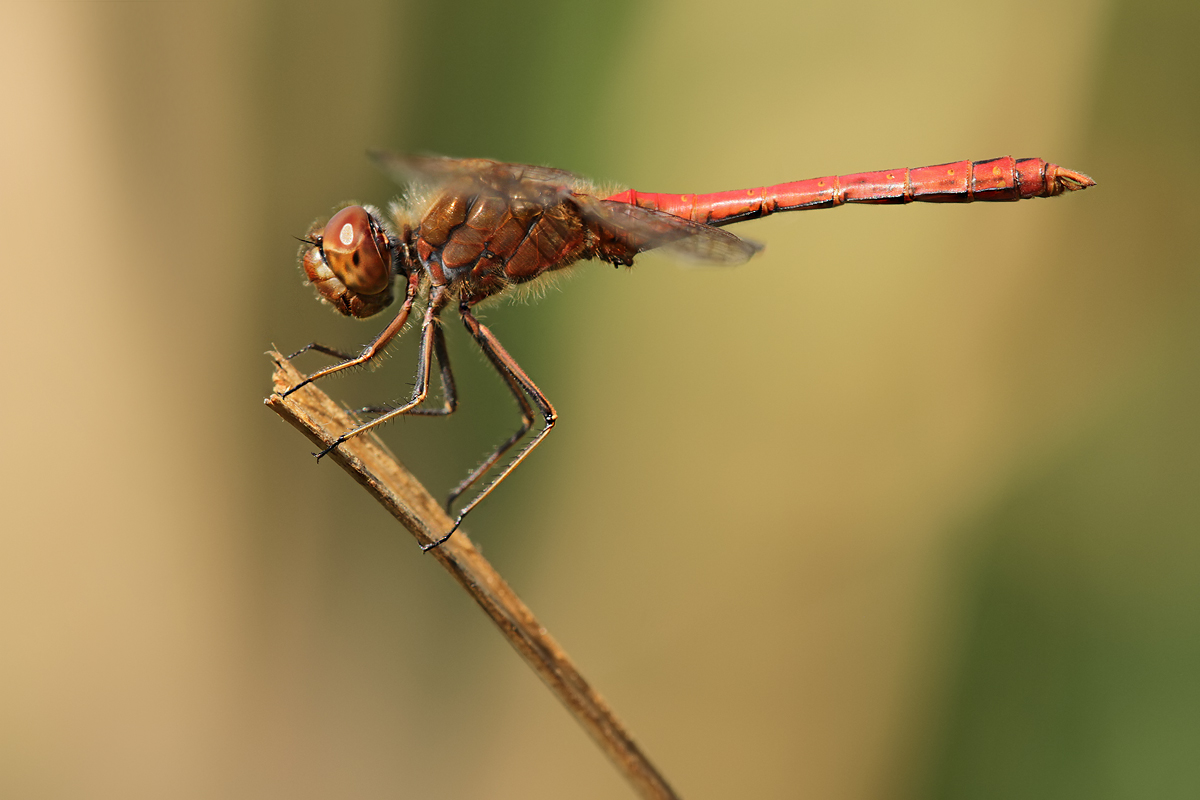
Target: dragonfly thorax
<point x="480" y="242"/>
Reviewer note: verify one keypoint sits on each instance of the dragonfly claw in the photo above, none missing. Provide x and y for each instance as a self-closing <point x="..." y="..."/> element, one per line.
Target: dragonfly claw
<point x="297" y="387"/>
<point x="329" y="449"/>
<point x="425" y="548"/>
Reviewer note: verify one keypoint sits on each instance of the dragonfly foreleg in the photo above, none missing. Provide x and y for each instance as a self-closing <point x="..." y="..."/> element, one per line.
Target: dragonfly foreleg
<point x="369" y="352"/>
<point x="426" y="349"/>
<point x="321" y="348"/>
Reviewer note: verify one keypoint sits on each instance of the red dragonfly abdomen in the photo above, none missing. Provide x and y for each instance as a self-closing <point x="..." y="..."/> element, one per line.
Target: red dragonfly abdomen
<point x="961" y="182"/>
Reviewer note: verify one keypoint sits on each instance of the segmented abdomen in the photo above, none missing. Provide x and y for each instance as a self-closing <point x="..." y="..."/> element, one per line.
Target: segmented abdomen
<point x="960" y="182"/>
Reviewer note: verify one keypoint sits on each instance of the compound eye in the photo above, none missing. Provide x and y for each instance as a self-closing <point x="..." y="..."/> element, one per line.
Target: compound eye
<point x="355" y="248"/>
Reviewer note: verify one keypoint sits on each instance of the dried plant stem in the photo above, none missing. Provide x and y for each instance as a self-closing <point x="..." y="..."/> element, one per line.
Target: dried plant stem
<point x="368" y="462"/>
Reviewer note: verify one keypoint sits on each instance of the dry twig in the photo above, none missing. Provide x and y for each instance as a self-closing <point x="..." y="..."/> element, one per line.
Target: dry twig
<point x="314" y="413"/>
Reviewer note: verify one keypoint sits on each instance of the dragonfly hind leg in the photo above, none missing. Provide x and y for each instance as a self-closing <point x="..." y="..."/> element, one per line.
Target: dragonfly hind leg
<point x="524" y="390"/>
<point x="490" y="461"/>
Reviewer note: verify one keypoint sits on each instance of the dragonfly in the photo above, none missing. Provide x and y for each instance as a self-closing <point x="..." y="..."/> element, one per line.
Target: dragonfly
<point x="469" y="230"/>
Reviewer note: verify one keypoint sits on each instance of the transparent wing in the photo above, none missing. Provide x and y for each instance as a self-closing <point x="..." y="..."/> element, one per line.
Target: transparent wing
<point x="544" y="184"/>
<point x="645" y="230"/>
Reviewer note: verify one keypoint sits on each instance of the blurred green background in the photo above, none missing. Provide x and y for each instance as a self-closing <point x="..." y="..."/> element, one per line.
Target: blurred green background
<point x="907" y="507"/>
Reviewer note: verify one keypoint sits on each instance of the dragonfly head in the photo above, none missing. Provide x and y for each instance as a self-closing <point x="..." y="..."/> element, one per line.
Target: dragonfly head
<point x="351" y="261"/>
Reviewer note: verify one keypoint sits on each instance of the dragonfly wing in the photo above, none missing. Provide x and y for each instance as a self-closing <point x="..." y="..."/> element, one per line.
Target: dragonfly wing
<point x="644" y="229"/>
<point x="404" y="168"/>
<point x="546" y="183"/>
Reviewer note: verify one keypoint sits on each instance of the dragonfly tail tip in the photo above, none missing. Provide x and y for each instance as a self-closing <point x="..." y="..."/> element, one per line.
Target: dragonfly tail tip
<point x="1072" y="181"/>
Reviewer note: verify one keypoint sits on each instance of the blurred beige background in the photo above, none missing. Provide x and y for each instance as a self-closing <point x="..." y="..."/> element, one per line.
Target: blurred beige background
<point x="905" y="507"/>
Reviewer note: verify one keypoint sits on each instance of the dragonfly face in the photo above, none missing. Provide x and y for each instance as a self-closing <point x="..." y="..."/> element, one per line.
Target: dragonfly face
<point x="350" y="261"/>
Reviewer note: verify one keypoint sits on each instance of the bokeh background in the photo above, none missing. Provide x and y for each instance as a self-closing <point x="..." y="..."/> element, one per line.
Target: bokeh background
<point x="907" y="507"/>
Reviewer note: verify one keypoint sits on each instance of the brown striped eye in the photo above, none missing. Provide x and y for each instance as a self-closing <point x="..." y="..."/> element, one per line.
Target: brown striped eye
<point x="356" y="249"/>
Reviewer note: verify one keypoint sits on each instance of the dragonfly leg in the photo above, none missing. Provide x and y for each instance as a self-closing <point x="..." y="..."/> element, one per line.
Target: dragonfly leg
<point x="426" y="349"/>
<point x="321" y="348"/>
<point x="370" y="351"/>
<point x="449" y="391"/>
<point x="521" y="387"/>
<point x="490" y="461"/>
